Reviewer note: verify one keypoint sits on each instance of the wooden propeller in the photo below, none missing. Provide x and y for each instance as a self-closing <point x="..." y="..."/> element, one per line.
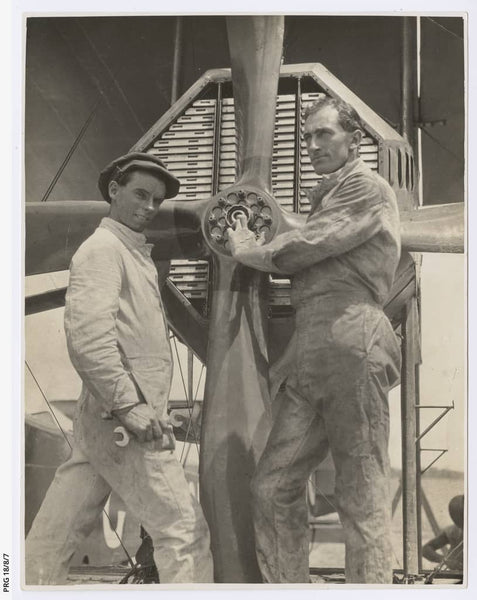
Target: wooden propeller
<point x="236" y="419"/>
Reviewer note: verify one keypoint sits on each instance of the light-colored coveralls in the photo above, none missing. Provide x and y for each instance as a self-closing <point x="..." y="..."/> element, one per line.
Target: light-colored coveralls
<point x="118" y="343"/>
<point x="347" y="357"/>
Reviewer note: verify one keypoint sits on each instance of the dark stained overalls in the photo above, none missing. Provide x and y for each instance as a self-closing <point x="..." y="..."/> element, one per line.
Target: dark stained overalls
<point x="347" y="358"/>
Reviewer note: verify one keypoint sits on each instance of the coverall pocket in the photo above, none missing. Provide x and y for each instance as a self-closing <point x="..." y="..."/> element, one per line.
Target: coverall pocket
<point x="152" y="376"/>
<point x="383" y="351"/>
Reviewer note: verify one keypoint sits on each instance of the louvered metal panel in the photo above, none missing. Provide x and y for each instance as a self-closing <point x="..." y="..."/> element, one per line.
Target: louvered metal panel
<point x="191" y="277"/>
<point x="228" y="145"/>
<point x="283" y="159"/>
<point x="187" y="148"/>
<point x="279" y="292"/>
<point x="284" y="148"/>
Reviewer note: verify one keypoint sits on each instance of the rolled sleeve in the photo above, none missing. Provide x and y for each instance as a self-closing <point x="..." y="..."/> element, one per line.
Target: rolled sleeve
<point x="257" y="257"/>
<point x="352" y="216"/>
<point x="92" y="303"/>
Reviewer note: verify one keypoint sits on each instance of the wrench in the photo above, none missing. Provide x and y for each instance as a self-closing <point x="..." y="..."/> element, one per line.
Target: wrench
<point x="168" y="441"/>
<point x="124" y="439"/>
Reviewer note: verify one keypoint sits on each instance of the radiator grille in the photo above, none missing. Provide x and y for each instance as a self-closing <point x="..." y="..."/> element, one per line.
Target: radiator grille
<point x="187" y="148"/>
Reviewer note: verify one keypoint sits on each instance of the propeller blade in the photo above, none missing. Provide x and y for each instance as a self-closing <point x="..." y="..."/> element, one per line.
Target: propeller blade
<point x="54" y="231"/>
<point x="438" y="228"/>
<point x="46" y="301"/>
<point x="185" y="321"/>
<point x="236" y="420"/>
<point x="434" y="229"/>
<point x="176" y="231"/>
<point x="255" y="51"/>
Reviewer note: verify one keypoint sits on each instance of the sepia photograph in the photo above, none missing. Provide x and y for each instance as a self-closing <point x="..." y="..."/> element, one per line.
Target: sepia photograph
<point x="244" y="274"/>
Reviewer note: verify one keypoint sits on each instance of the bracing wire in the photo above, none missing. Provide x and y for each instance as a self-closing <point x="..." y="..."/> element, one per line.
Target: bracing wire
<point x="435" y="571"/>
<point x="433" y="138"/>
<point x="70" y="153"/>
<point x="444" y="28"/>
<point x="130" y="560"/>
<point x="49" y="405"/>
<point x="189" y="425"/>
<point x="189" y="400"/>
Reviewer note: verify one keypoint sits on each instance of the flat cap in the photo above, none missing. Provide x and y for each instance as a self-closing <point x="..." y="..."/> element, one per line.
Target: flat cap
<point x="139" y="161"/>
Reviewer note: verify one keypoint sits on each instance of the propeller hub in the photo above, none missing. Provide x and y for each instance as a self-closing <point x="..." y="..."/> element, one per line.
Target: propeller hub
<point x="235" y="211"/>
<point x="259" y="208"/>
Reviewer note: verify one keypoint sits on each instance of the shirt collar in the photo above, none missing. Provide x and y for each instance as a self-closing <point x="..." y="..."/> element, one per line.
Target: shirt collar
<point x="131" y="239"/>
<point x="341" y="173"/>
<point x="331" y="180"/>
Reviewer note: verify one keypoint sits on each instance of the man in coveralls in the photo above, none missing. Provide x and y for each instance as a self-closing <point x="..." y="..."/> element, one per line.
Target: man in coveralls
<point x="342" y="263"/>
<point x="118" y="343"/>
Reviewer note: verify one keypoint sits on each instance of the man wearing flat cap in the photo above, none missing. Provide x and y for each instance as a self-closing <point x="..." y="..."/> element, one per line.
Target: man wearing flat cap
<point x="118" y="343"/>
